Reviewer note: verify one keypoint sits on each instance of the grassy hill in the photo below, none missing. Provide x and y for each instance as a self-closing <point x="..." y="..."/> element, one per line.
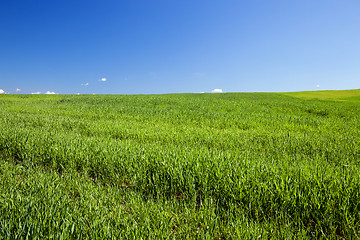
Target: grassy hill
<point x="337" y="95"/>
<point x="185" y="166"/>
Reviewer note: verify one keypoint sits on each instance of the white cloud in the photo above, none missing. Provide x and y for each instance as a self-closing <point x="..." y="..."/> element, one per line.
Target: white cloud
<point x="48" y="92"/>
<point x="18" y="90"/>
<point x="217" y="90"/>
<point x="318" y="85"/>
<point x="85" y="84"/>
<point x="2" y="91"/>
<point x="36" y="93"/>
<point x="103" y="79"/>
<point x="78" y="94"/>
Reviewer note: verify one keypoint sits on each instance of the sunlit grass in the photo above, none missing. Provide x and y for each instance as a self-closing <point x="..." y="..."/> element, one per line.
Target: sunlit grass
<point x="350" y="95"/>
<point x="236" y="165"/>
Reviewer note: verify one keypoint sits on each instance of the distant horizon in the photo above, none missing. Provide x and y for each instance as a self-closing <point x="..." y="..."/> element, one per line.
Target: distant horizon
<point x="9" y="93"/>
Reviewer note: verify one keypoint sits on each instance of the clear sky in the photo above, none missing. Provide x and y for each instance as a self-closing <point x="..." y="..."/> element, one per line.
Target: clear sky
<point x="171" y="46"/>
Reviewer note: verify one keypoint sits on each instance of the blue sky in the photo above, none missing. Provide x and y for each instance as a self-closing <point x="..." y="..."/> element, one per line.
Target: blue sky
<point x="171" y="46"/>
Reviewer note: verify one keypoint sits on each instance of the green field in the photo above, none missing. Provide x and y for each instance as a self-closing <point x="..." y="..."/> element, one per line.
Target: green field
<point x="335" y="95"/>
<point x="180" y="166"/>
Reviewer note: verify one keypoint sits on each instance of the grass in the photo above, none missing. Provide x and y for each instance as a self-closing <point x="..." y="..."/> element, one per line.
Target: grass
<point x="339" y="95"/>
<point x="180" y="166"/>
